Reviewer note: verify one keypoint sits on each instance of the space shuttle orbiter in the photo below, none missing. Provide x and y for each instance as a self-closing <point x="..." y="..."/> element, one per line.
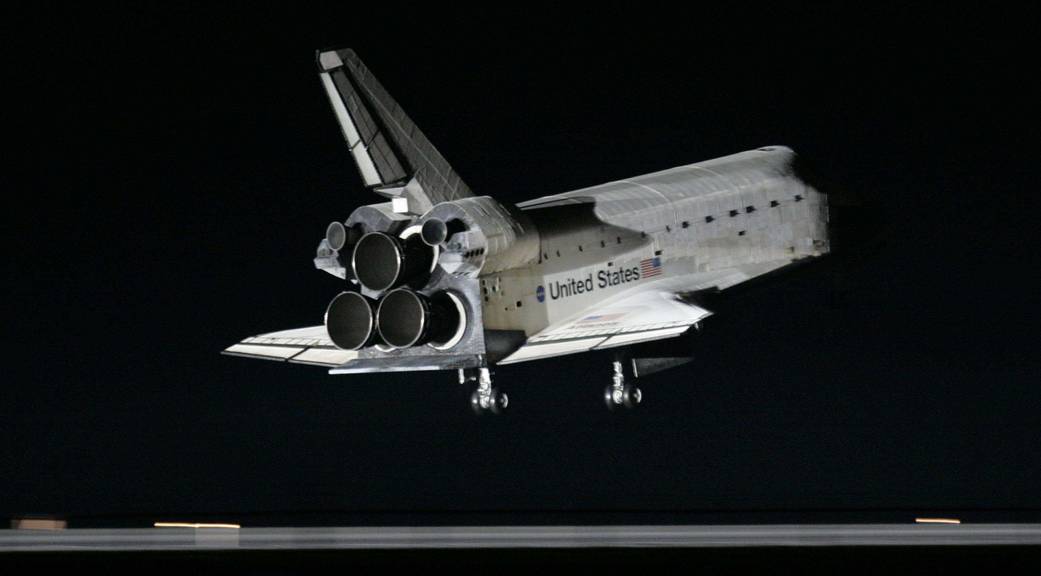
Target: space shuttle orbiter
<point x="435" y="277"/>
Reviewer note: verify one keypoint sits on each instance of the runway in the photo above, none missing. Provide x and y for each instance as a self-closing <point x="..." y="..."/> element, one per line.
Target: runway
<point x="514" y="537"/>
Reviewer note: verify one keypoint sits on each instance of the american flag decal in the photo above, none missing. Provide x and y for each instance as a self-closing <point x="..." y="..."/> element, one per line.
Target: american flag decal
<point x="650" y="267"/>
<point x="602" y="318"/>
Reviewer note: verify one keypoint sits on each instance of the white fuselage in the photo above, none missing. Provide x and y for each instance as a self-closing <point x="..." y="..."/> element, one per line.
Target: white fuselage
<point x="708" y="225"/>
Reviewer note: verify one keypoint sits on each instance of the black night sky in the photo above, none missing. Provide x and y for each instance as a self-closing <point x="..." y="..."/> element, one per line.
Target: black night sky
<point x="169" y="176"/>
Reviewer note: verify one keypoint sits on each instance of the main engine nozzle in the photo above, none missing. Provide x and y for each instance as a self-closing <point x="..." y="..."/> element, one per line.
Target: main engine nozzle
<point x="382" y="261"/>
<point x="350" y="320"/>
<point x="407" y="318"/>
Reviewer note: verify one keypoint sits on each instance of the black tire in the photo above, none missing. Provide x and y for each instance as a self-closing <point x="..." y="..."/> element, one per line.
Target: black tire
<point x="500" y="401"/>
<point x="631" y="396"/>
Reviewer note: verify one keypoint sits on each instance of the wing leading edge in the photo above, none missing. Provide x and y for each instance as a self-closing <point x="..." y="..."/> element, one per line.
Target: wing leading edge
<point x="641" y="317"/>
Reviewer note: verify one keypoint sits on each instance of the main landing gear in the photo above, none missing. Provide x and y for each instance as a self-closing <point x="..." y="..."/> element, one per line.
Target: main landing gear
<point x="618" y="393"/>
<point x="485" y="398"/>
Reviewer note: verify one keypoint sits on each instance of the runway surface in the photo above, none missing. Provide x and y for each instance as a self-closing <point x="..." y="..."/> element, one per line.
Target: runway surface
<point x="490" y="537"/>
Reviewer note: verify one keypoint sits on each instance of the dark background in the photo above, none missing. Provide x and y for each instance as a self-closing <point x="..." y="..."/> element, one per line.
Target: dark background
<point x="171" y="173"/>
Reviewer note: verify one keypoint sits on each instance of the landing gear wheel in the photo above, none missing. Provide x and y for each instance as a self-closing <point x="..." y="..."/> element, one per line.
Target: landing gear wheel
<point x="612" y="397"/>
<point x="631" y="396"/>
<point x="499" y="401"/>
<point x="475" y="403"/>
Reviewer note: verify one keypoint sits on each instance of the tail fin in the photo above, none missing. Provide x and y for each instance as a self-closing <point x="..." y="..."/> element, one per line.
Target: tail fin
<point x="393" y="156"/>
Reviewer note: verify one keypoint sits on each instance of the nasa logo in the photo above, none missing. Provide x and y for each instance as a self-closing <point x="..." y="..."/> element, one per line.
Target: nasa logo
<point x="540" y="293"/>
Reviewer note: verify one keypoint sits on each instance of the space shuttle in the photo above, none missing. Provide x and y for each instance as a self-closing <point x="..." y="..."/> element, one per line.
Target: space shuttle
<point x="434" y="276"/>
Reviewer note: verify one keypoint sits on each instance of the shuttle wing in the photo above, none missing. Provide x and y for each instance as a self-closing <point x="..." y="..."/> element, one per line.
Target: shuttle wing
<point x="310" y="345"/>
<point x="394" y="158"/>
<point x="641" y="317"/>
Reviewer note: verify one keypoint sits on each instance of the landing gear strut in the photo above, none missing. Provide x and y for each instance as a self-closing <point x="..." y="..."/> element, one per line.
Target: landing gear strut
<point x="618" y="393"/>
<point x="485" y="398"/>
